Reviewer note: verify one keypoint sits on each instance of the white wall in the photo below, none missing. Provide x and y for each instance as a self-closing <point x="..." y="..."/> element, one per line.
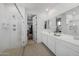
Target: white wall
<point x="23" y="24"/>
<point x="22" y="10"/>
<point x="35" y="28"/>
<point x="61" y="8"/>
<point x="40" y="25"/>
<point x="24" y="32"/>
<point x="9" y="17"/>
<point x="4" y="32"/>
<point x="51" y="15"/>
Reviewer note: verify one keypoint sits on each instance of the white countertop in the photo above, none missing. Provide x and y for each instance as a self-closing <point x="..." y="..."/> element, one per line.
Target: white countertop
<point x="67" y="38"/>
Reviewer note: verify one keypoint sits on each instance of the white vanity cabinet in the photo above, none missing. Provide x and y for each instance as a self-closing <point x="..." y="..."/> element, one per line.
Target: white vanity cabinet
<point x="64" y="49"/>
<point x="60" y="46"/>
<point x="61" y="50"/>
<point x="49" y="41"/>
<point x="51" y="44"/>
<point x="45" y="39"/>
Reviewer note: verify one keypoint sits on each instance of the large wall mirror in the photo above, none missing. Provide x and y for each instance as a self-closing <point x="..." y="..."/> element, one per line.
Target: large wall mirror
<point x="58" y="25"/>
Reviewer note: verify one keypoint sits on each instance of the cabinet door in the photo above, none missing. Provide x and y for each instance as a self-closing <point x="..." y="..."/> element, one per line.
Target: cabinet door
<point x="73" y="53"/>
<point x="42" y="37"/>
<point x="63" y="50"/>
<point x="45" y="39"/>
<point x="51" y="44"/>
<point x="5" y="35"/>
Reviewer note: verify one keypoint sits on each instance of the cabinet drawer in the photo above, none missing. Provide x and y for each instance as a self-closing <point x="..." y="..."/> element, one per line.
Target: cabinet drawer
<point x="71" y="46"/>
<point x="65" y="49"/>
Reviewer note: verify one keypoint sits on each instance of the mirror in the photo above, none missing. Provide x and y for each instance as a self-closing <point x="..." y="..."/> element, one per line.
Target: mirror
<point x="58" y="25"/>
<point x="46" y="24"/>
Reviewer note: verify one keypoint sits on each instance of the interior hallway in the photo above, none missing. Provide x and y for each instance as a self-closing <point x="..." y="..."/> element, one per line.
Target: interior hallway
<point x="36" y="49"/>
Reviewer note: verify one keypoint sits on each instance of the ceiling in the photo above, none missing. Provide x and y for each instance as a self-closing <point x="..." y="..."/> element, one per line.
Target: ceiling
<point x="37" y="7"/>
<point x="50" y="8"/>
<point x="34" y="8"/>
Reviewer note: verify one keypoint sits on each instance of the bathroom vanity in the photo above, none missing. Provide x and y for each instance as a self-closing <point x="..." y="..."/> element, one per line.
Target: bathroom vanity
<point x="63" y="45"/>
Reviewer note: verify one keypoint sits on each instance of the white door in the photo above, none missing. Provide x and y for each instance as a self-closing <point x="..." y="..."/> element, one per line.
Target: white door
<point x="4" y="35"/>
<point x="14" y="40"/>
<point x="35" y="28"/>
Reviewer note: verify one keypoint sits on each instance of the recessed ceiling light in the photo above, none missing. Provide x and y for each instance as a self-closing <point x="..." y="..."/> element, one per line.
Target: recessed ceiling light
<point x="52" y="11"/>
<point x="47" y="9"/>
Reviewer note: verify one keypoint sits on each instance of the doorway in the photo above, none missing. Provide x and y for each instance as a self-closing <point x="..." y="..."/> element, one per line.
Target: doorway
<point x="32" y="28"/>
